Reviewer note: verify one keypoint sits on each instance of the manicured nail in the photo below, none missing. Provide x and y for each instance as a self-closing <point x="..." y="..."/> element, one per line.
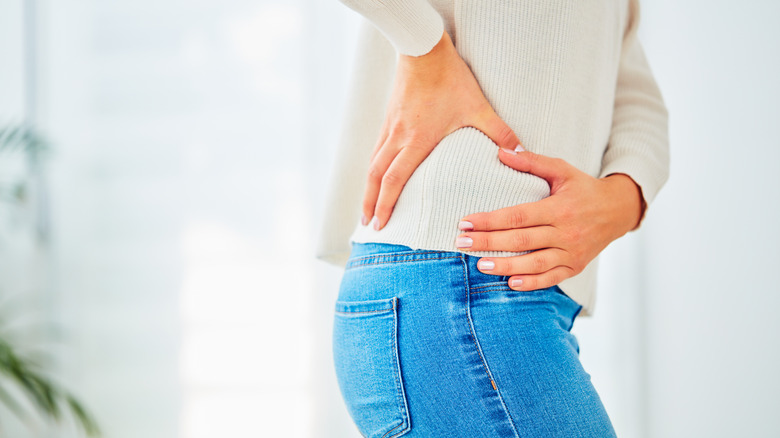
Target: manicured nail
<point x="486" y="265"/>
<point x="509" y="151"/>
<point x="516" y="283"/>
<point x="464" y="242"/>
<point x="519" y="148"/>
<point x="465" y="226"/>
<point x="364" y="220"/>
<point x="375" y="222"/>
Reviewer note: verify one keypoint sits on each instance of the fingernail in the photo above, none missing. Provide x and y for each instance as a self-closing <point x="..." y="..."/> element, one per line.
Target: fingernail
<point x="519" y="148"/>
<point x="516" y="283"/>
<point x="464" y="242"/>
<point x="465" y="226"/>
<point x="509" y="151"/>
<point x="364" y="220"/>
<point x="486" y="265"/>
<point x="375" y="222"/>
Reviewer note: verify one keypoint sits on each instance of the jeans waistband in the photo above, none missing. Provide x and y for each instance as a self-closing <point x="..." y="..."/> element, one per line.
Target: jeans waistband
<point x="380" y="253"/>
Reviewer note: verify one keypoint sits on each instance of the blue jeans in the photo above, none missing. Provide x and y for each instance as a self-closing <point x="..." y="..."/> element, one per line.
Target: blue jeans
<point x="426" y="345"/>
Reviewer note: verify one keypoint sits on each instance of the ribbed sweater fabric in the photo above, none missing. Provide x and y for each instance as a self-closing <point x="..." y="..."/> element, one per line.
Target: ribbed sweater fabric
<point x="570" y="78"/>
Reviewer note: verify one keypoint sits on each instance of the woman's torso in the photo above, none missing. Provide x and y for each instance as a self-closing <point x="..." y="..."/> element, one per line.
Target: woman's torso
<point x="548" y="68"/>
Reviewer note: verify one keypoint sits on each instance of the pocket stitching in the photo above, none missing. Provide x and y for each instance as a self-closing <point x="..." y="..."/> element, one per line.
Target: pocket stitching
<point x="402" y="404"/>
<point x="370" y="306"/>
<point x="400" y="393"/>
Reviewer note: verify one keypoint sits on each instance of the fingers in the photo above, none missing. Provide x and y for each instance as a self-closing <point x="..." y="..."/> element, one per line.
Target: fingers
<point x="376" y="172"/>
<point x="533" y="263"/>
<point x="388" y="173"/>
<point x="540" y="281"/>
<point x="494" y="127"/>
<point x="535" y="270"/>
<point x="551" y="169"/>
<point x="394" y="180"/>
<point x="532" y="214"/>
<point x="525" y="239"/>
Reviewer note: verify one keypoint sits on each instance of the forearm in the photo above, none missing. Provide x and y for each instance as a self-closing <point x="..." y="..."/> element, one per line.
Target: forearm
<point x="639" y="140"/>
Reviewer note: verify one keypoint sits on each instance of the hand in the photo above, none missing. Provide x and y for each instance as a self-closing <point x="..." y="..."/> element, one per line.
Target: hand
<point x="433" y="95"/>
<point x="565" y="231"/>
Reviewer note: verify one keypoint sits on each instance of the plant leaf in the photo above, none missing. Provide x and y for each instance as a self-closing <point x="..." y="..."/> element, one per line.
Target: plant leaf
<point x="13" y="405"/>
<point x="43" y="393"/>
<point x="84" y="418"/>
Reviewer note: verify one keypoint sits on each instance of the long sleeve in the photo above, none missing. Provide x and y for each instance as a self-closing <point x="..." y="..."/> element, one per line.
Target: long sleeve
<point x="639" y="139"/>
<point x="412" y="26"/>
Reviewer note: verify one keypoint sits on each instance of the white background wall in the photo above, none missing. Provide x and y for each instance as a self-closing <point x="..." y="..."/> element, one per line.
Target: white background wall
<point x="713" y="247"/>
<point x="192" y="145"/>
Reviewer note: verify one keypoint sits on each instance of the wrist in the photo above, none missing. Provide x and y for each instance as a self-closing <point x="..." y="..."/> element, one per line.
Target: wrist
<point x="629" y="204"/>
<point x="433" y="61"/>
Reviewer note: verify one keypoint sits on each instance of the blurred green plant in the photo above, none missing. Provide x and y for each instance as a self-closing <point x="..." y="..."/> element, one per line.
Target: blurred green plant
<point x="45" y="395"/>
<point x="19" y="140"/>
<point x="21" y="371"/>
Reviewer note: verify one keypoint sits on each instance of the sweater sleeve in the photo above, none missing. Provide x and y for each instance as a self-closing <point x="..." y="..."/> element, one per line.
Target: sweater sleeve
<point x="412" y="26"/>
<point x="639" y="139"/>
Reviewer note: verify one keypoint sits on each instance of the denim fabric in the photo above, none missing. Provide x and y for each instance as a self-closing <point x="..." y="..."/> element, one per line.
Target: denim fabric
<point x="426" y="345"/>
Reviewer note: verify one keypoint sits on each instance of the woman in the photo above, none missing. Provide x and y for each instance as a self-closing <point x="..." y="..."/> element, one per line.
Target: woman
<point x="519" y="139"/>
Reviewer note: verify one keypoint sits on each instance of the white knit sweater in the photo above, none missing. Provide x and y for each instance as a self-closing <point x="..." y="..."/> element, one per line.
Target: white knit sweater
<point x="569" y="77"/>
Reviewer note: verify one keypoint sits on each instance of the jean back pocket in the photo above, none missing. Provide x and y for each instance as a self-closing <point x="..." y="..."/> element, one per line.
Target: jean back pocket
<point x="365" y="353"/>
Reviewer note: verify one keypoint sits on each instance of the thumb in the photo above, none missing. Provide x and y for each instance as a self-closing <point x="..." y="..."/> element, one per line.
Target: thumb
<point x="554" y="170"/>
<point x="494" y="127"/>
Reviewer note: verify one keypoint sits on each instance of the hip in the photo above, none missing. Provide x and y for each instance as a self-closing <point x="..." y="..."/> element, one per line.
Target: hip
<point x="427" y="345"/>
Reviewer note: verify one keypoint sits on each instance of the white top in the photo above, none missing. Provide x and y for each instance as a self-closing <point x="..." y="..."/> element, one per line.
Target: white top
<point x="570" y="78"/>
